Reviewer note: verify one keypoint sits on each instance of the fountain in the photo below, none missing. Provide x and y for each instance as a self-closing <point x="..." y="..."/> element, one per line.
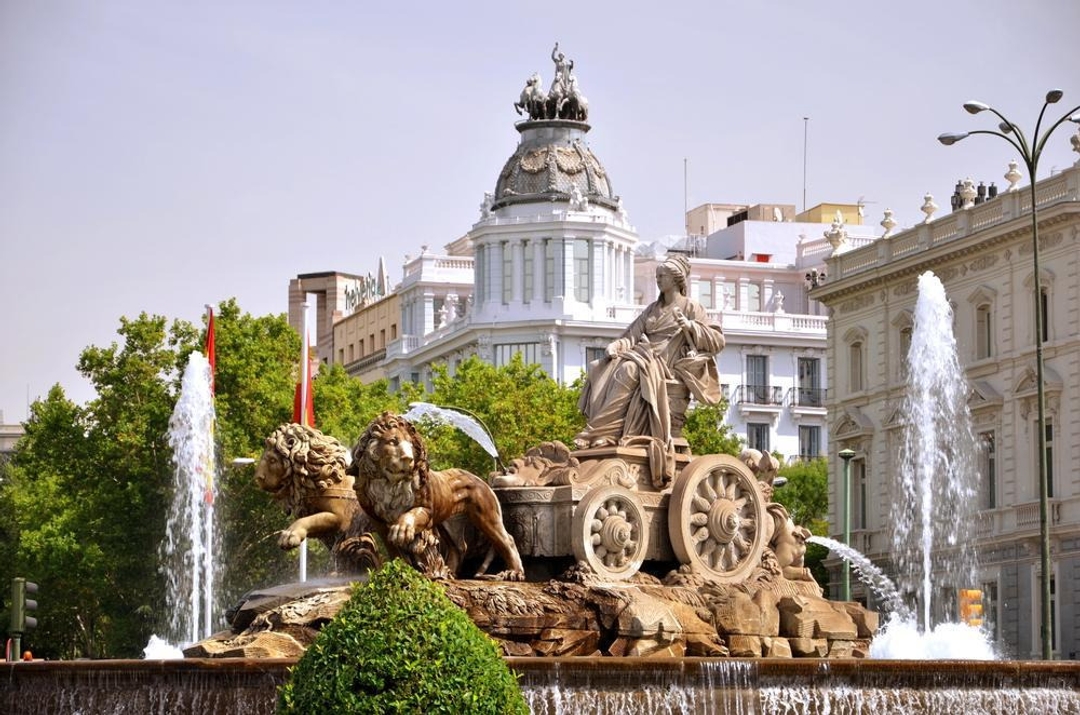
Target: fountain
<point x="936" y="508"/>
<point x="187" y="554"/>
<point x="650" y="571"/>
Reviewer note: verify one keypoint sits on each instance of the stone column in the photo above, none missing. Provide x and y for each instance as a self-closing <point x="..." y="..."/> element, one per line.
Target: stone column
<point x="496" y="266"/>
<point x="539" y="270"/>
<point x="566" y="268"/>
<point x="517" y="253"/>
<point x="429" y="311"/>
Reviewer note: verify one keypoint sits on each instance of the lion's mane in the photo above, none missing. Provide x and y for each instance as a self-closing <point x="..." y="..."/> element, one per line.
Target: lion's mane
<point x="314" y="462"/>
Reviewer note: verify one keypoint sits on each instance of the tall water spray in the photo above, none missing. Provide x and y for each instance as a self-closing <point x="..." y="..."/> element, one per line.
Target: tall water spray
<point x="933" y="514"/>
<point x="187" y="554"/>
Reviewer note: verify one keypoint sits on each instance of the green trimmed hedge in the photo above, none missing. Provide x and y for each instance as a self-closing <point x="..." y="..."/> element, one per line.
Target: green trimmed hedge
<point x="401" y="646"/>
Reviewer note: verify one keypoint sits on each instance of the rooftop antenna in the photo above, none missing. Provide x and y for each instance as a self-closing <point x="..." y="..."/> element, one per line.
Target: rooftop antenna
<point x="685" y="194"/>
<point x="805" y="132"/>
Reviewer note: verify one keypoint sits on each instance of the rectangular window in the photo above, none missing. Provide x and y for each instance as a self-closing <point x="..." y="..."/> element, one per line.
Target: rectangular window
<point x="393" y="331"/>
<point x="987" y="470"/>
<point x="757" y="436"/>
<point x="905" y="348"/>
<point x="855" y="358"/>
<point x="810" y="393"/>
<point x="594" y="354"/>
<point x="859" y="515"/>
<point x="371" y="342"/>
<point x="757" y="379"/>
<point x="729" y="292"/>
<point x="507" y="273"/>
<point x="341" y="354"/>
<point x="809" y="442"/>
<point x="504" y="352"/>
<point x="527" y="268"/>
<point x="705" y="294"/>
<point x="990" y="612"/>
<point x="549" y="270"/>
<point x="753" y="297"/>
<point x="582" y="270"/>
<point x="382" y="338"/>
<point x="984" y="339"/>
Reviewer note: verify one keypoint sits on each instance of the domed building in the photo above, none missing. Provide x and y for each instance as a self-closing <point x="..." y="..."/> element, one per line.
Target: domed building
<point x="547" y="271"/>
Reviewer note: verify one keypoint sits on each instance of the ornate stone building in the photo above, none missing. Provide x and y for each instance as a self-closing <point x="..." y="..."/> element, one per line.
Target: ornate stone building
<point x="983" y="256"/>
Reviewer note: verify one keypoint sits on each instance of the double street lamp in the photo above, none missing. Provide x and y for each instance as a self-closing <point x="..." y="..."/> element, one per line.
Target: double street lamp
<point x="1030" y="153"/>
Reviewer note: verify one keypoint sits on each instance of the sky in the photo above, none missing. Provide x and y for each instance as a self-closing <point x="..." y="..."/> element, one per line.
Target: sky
<point x="156" y="157"/>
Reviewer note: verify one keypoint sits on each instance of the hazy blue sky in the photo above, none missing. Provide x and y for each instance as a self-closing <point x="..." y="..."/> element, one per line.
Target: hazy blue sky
<point x="159" y="156"/>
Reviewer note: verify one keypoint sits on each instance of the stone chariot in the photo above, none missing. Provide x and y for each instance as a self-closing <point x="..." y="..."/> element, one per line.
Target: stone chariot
<point x="712" y="516"/>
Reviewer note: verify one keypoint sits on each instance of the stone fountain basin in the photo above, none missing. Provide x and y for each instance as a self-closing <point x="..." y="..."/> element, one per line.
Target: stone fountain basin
<point x="578" y="685"/>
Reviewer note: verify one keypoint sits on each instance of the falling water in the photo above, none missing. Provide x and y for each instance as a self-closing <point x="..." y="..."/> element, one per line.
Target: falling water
<point x="187" y="552"/>
<point x="868" y="573"/>
<point x="463" y="422"/>
<point x="933" y="513"/>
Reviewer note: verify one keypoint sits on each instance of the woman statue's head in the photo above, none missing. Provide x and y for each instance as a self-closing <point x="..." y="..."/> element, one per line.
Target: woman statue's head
<point x="678" y="267"/>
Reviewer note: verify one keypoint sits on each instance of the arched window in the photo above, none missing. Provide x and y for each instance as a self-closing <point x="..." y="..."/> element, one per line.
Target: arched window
<point x="984" y="333"/>
<point x="856" y="340"/>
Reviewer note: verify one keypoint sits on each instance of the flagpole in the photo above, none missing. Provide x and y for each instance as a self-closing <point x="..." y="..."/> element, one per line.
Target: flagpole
<point x="304" y="382"/>
<point x="208" y="499"/>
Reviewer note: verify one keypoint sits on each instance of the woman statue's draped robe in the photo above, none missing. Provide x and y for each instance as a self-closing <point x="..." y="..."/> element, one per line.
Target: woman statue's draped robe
<point x="626" y="395"/>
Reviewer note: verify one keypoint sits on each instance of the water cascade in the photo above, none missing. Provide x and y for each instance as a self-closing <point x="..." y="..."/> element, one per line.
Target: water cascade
<point x="936" y="506"/>
<point x="187" y="554"/>
<point x="469" y="425"/>
<point x="869" y="574"/>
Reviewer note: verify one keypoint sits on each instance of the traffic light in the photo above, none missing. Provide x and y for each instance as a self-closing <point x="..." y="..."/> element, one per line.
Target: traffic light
<point x="20" y="604"/>
<point x="971" y="608"/>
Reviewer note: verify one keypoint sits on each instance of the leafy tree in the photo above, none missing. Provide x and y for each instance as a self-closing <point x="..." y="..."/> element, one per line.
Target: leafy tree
<point x="400" y="646"/>
<point x="344" y="406"/>
<point x="707" y="432"/>
<point x="256" y="372"/>
<point x="518" y="403"/>
<point x="806" y="496"/>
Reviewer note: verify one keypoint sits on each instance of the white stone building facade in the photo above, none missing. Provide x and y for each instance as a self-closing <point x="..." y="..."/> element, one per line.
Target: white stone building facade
<point x="983" y="256"/>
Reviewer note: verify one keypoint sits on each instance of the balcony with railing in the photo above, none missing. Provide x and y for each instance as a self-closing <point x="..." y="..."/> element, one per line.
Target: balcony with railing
<point x="759" y="399"/>
<point x="807" y="400"/>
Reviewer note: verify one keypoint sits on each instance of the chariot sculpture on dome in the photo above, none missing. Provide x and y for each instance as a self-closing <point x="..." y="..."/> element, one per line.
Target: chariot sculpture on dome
<point x="563" y="101"/>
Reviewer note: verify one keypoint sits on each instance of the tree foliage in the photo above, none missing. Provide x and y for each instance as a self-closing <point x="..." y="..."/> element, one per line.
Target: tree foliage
<point x="806" y="496"/>
<point x="707" y="432"/>
<point x="400" y="646"/>
<point x="518" y="404"/>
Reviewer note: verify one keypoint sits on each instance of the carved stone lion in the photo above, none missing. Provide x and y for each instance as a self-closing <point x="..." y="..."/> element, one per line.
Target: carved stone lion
<point x="304" y="471"/>
<point x="412" y="506"/>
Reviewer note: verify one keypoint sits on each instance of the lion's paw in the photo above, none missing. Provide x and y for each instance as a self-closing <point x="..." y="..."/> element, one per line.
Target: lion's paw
<point x="290" y="539"/>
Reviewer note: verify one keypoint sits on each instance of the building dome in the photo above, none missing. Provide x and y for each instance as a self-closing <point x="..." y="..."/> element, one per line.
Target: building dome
<point x="553" y="163"/>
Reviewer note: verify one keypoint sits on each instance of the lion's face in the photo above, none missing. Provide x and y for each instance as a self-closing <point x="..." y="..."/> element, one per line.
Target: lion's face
<point x="392" y="451"/>
<point x="272" y="472"/>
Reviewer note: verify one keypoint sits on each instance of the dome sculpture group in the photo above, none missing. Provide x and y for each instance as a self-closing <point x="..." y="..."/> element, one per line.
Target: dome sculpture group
<point x="552" y="162"/>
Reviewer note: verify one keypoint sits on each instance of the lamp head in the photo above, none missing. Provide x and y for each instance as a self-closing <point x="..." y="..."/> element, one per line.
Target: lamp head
<point x="1053" y="96"/>
<point x="846" y="454"/>
<point x="1005" y="127"/>
<point x="1075" y="119"/>
<point x="950" y="138"/>
<point x="974" y="107"/>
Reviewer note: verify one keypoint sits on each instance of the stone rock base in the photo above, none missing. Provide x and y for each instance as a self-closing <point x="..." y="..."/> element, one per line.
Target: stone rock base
<point x="585" y="617"/>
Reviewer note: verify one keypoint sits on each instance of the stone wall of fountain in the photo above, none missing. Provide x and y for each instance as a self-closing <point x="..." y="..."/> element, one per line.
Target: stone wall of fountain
<point x="563" y="686"/>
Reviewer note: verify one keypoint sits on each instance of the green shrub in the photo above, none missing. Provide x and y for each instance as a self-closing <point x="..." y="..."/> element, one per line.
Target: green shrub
<point x="400" y="646"/>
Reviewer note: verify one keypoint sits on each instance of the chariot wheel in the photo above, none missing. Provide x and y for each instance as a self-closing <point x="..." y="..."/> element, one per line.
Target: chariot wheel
<point x="716" y="518"/>
<point x="610" y="532"/>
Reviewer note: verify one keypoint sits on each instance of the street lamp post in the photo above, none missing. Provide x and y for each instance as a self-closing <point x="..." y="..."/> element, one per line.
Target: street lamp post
<point x="1030" y="154"/>
<point x="846" y="455"/>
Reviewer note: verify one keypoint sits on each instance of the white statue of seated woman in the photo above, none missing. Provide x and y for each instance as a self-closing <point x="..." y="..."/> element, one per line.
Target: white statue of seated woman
<point x="667" y="352"/>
